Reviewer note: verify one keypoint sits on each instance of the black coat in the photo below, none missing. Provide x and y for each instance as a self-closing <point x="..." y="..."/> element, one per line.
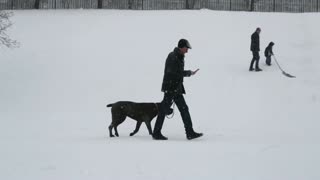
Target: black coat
<point x="268" y="51"/>
<point x="174" y="73"/>
<point x="255" y="42"/>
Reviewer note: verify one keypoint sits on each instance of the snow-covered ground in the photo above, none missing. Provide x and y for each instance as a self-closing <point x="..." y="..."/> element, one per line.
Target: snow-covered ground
<point x="71" y="63"/>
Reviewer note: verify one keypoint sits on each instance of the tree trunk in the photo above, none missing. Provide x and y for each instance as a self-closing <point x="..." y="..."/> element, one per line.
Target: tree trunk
<point x="100" y="4"/>
<point x="37" y="4"/>
<point x="190" y="4"/>
<point x="248" y="4"/>
<point x="130" y="4"/>
<point x="252" y="5"/>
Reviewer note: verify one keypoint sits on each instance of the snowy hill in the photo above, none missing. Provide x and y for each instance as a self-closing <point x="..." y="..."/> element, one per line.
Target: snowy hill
<point x="257" y="125"/>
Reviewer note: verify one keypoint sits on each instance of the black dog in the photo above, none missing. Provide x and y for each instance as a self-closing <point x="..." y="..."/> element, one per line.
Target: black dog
<point x="141" y="112"/>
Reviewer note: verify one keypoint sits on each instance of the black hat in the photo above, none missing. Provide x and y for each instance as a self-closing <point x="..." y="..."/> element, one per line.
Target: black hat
<point x="184" y="43"/>
<point x="271" y="43"/>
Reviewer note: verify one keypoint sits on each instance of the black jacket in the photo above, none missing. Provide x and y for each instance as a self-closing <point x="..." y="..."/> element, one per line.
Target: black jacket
<point x="268" y="51"/>
<point x="255" y="42"/>
<point x="174" y="73"/>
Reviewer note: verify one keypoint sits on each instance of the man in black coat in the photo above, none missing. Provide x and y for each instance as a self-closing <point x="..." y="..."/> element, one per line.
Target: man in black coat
<point x="255" y="48"/>
<point x="173" y="89"/>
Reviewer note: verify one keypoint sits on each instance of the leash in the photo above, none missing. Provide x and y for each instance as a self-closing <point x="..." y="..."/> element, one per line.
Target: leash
<point x="167" y="115"/>
<point x="172" y="112"/>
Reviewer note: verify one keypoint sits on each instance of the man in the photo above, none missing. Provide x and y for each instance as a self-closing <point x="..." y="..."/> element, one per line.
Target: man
<point x="255" y="48"/>
<point x="268" y="53"/>
<point x="173" y="89"/>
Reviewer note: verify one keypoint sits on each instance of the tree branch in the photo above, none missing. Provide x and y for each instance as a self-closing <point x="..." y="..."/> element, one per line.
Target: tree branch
<point x="5" y="24"/>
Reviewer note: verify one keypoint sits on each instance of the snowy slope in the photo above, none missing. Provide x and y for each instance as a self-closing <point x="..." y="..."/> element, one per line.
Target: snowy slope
<point x="54" y="88"/>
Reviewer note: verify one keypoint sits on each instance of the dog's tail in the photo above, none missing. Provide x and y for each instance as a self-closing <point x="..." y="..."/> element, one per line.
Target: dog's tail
<point x="109" y="105"/>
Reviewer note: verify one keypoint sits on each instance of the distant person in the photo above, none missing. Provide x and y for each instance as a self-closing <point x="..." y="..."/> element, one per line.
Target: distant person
<point x="173" y="89"/>
<point x="268" y="53"/>
<point x="255" y="48"/>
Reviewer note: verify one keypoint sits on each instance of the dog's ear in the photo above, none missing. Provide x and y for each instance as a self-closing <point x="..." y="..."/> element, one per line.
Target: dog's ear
<point x="109" y="105"/>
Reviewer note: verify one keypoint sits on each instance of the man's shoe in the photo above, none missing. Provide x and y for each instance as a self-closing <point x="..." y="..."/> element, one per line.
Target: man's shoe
<point x="194" y="135"/>
<point x="251" y="69"/>
<point x="158" y="136"/>
<point x="258" y="69"/>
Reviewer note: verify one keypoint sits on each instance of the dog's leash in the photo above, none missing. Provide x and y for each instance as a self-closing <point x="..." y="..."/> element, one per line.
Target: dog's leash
<point x="167" y="115"/>
<point x="172" y="112"/>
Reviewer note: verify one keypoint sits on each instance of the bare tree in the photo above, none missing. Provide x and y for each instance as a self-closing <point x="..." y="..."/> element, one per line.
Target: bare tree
<point x="100" y="4"/>
<point x="130" y="3"/>
<point x="66" y="4"/>
<point x="37" y="4"/>
<point x="252" y="5"/>
<point x="5" y="23"/>
<point x="190" y="4"/>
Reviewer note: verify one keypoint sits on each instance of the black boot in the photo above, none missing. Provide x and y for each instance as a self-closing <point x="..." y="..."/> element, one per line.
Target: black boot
<point x="251" y="65"/>
<point x="193" y="135"/>
<point x="258" y="69"/>
<point x="158" y="136"/>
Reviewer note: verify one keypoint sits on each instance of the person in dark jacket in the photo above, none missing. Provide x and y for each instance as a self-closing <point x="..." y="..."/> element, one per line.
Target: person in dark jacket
<point x="255" y="48"/>
<point x="173" y="89"/>
<point x="268" y="53"/>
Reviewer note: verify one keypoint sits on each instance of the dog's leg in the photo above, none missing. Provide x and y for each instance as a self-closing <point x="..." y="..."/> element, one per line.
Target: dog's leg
<point x="116" y="131"/>
<point x="110" y="131"/>
<point x="120" y="119"/>
<point x="149" y="127"/>
<point x="137" y="128"/>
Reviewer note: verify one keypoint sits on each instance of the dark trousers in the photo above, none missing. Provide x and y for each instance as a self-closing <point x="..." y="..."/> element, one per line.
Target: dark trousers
<point x="255" y="58"/>
<point x="268" y="60"/>
<point x="166" y="103"/>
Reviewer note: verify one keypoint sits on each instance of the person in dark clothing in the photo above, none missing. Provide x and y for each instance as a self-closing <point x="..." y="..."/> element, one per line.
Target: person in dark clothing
<point x="173" y="89"/>
<point x="255" y="48"/>
<point x="268" y="53"/>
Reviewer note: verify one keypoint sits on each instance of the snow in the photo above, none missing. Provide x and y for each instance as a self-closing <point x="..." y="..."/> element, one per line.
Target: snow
<point x="71" y="63"/>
